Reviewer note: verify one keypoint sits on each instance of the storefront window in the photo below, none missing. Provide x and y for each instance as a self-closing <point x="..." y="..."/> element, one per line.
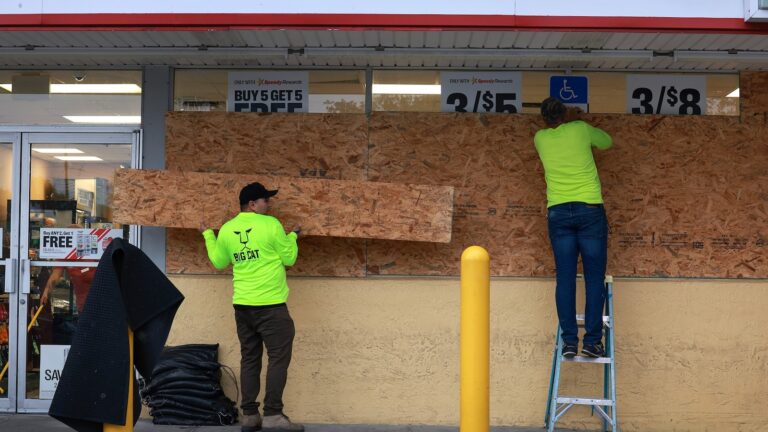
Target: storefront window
<point x="420" y="91"/>
<point x="329" y="91"/>
<point x="406" y="90"/>
<point x="607" y="91"/>
<point x="70" y="97"/>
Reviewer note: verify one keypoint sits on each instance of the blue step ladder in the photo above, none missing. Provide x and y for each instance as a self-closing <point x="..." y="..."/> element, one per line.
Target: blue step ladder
<point x="558" y="405"/>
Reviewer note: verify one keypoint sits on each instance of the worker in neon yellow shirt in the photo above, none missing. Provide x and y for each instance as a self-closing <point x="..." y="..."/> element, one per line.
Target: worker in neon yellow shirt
<point x="257" y="247"/>
<point x="576" y="219"/>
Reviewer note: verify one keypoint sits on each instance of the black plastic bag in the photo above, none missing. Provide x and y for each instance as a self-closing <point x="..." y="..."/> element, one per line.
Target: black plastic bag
<point x="185" y="390"/>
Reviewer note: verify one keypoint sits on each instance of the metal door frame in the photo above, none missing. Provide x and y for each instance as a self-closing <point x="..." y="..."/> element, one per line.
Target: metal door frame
<point x="11" y="264"/>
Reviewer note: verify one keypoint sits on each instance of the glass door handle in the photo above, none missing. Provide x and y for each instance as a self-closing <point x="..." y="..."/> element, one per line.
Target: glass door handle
<point x="10" y="275"/>
<point x="25" y="276"/>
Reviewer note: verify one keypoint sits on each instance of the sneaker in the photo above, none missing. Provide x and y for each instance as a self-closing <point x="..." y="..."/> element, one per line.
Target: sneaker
<point x="250" y="423"/>
<point x="570" y="351"/>
<point x="596" y="350"/>
<point x="281" y="423"/>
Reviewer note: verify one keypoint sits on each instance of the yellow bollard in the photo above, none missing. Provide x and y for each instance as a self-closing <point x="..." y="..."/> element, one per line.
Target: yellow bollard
<point x="475" y="339"/>
<point x="128" y="426"/>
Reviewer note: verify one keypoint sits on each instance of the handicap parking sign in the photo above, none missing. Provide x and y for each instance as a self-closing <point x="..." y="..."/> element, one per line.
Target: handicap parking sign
<point x="570" y="89"/>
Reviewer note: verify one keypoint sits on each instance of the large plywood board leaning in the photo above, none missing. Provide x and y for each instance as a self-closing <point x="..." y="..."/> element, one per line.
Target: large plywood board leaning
<point x="330" y="146"/>
<point x="685" y="196"/>
<point x="333" y="208"/>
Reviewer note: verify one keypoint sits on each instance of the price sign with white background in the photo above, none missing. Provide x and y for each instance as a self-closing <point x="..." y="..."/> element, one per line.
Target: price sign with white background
<point x="76" y="243"/>
<point x="667" y="94"/>
<point x="497" y="92"/>
<point x="52" y="359"/>
<point x="268" y="91"/>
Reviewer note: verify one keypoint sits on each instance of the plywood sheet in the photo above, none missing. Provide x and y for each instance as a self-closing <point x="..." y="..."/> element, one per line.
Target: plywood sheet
<point x="683" y="194"/>
<point x="328" y="146"/>
<point x="318" y="256"/>
<point x="754" y="96"/>
<point x="295" y="145"/>
<point x="331" y="208"/>
<point x="686" y="196"/>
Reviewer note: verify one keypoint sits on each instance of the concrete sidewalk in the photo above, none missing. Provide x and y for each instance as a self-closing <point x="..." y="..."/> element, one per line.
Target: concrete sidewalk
<point x="40" y="423"/>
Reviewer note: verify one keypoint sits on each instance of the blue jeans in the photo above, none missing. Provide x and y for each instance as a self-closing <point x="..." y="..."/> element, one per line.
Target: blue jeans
<point x="575" y="229"/>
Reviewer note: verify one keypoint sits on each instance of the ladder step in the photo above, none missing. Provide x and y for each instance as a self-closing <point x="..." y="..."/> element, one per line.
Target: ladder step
<point x="606" y="318"/>
<point x="584" y="401"/>
<point x="583" y="359"/>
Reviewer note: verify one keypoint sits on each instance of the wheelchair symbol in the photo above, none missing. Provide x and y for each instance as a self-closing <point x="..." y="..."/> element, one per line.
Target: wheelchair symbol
<point x="567" y="93"/>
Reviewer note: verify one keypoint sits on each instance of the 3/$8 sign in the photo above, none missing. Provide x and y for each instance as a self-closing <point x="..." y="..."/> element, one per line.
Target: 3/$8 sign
<point x="667" y="94"/>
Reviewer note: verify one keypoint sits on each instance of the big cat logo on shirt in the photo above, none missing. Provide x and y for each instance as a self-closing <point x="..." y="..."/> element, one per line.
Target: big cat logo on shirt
<point x="246" y="253"/>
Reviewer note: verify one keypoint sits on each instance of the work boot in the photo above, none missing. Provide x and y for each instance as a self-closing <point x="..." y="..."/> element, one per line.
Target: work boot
<point x="281" y="423"/>
<point x="250" y="423"/>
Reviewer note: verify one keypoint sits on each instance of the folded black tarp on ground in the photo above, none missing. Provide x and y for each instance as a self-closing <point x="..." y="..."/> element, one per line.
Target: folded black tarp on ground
<point x="185" y="388"/>
<point x="128" y="290"/>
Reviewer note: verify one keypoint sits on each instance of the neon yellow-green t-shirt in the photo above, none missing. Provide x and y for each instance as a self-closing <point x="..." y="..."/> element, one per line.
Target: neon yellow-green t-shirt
<point x="259" y="250"/>
<point x="569" y="168"/>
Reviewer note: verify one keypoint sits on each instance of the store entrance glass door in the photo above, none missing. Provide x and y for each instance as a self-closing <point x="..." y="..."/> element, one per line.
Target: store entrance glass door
<point x="64" y="224"/>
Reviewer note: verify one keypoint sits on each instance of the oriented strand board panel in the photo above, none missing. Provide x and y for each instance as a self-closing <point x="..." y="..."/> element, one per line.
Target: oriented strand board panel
<point x="754" y="96"/>
<point x="332" y="208"/>
<point x="686" y="196"/>
<point x="318" y="256"/>
<point x="498" y="200"/>
<point x="292" y="145"/>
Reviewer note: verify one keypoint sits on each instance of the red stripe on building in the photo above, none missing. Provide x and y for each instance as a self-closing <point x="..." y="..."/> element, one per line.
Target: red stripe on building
<point x="215" y="21"/>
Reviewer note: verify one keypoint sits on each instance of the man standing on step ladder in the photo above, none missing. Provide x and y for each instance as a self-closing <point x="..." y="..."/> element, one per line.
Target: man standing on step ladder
<point x="576" y="219"/>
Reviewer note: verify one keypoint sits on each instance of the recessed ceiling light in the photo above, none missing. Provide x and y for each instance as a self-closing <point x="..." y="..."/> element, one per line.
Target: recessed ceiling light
<point x="105" y="119"/>
<point x="406" y="89"/>
<point x="88" y="88"/>
<point x="79" y="158"/>
<point x="56" y="150"/>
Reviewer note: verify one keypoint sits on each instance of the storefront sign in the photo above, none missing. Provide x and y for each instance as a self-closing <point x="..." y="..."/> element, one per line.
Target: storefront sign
<point x="52" y="359"/>
<point x="572" y="90"/>
<point x="268" y="91"/>
<point x="76" y="243"/>
<point x="667" y="94"/>
<point x="497" y="92"/>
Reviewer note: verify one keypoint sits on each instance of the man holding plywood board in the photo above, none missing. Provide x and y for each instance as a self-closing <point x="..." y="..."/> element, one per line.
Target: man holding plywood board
<point x="258" y="249"/>
<point x="576" y="219"/>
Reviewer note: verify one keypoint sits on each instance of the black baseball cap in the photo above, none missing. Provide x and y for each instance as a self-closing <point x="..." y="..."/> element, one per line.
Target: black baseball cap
<point x="255" y="191"/>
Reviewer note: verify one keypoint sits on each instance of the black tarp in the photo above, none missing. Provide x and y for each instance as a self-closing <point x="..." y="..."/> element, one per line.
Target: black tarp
<point x="128" y="291"/>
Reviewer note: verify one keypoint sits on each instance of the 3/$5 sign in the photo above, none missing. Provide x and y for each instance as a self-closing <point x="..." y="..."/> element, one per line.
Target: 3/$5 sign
<point x="268" y="91"/>
<point x="490" y="92"/>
